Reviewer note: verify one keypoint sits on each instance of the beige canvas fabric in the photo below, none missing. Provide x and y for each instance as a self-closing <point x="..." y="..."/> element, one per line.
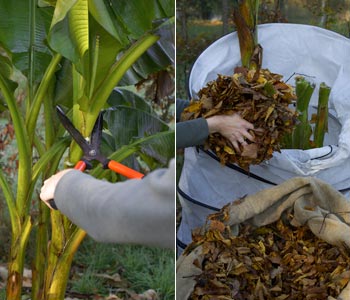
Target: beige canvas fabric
<point x="315" y="204"/>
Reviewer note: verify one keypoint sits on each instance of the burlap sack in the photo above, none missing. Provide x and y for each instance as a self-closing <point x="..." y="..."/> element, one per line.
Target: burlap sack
<point x="315" y="204"/>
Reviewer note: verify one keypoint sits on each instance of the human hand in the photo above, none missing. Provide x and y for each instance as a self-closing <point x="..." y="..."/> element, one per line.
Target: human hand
<point x="48" y="189"/>
<point x="233" y="127"/>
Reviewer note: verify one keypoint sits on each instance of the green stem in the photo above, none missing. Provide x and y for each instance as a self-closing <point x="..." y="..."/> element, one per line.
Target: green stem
<point x="49" y="116"/>
<point x="40" y="94"/>
<point x="114" y="75"/>
<point x="77" y="115"/>
<point x="31" y="59"/>
<point x="94" y="58"/>
<point x="56" y="246"/>
<point x="303" y="131"/>
<point x="38" y="266"/>
<point x="16" y="264"/>
<point x="60" y="275"/>
<point x="322" y="115"/>
<point x="10" y="201"/>
<point x="24" y="152"/>
<point x="56" y="150"/>
<point x="39" y="145"/>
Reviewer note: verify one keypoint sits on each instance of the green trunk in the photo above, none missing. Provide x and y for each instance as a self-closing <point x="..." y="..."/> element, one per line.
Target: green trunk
<point x="245" y="16"/>
<point x="303" y="131"/>
<point x="322" y="115"/>
<point x="60" y="264"/>
<point x="16" y="264"/>
<point x="38" y="268"/>
<point x="66" y="237"/>
<point x="39" y="265"/>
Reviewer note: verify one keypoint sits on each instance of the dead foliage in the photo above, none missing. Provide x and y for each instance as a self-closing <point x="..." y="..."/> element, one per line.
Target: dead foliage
<point x="261" y="98"/>
<point x="276" y="261"/>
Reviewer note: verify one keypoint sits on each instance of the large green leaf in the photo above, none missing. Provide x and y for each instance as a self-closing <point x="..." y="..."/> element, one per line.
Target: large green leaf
<point x="63" y="35"/>
<point x="63" y="93"/>
<point x="6" y="70"/>
<point x="104" y="49"/>
<point x="26" y="38"/>
<point x="125" y="97"/>
<point x="62" y="8"/>
<point x="79" y="20"/>
<point x="127" y="124"/>
<point x="103" y="14"/>
<point x="165" y="149"/>
<point x="155" y="59"/>
<point x="166" y="7"/>
<point x="161" y="148"/>
<point x="138" y="15"/>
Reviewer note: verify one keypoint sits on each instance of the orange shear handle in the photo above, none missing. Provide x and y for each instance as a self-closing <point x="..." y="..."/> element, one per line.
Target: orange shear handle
<point x="80" y="165"/>
<point x="124" y="170"/>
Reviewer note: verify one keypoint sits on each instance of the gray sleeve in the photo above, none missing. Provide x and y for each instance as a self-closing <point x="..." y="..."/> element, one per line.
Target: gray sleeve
<point x="181" y="104"/>
<point x="136" y="211"/>
<point x="191" y="133"/>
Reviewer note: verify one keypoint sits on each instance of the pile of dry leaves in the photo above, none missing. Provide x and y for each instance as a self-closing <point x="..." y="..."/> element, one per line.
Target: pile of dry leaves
<point x="271" y="262"/>
<point x="261" y="98"/>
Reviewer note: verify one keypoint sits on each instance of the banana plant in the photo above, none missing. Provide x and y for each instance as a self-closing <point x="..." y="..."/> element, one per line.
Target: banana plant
<point x="245" y="16"/>
<point x="72" y="52"/>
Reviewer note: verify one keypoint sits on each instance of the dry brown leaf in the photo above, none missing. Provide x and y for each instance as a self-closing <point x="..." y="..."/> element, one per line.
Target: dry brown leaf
<point x="250" y="151"/>
<point x="276" y="261"/>
<point x="263" y="102"/>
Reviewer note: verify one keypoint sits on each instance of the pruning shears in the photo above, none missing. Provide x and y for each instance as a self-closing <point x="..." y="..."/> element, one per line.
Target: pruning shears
<point x="91" y="150"/>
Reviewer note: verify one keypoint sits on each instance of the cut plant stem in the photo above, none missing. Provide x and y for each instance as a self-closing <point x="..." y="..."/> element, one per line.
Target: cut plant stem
<point x="303" y="131"/>
<point x="322" y="115"/>
<point x="245" y="16"/>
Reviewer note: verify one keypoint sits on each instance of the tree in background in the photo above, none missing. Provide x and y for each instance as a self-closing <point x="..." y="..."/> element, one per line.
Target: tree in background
<point x="225" y="16"/>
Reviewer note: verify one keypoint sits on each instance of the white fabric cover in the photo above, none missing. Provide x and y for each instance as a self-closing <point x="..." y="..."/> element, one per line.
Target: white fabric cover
<point x="287" y="49"/>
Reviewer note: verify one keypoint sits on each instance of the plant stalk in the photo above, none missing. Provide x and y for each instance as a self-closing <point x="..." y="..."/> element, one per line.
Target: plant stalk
<point x="303" y="131"/>
<point x="322" y="115"/>
<point x="245" y="16"/>
<point x="116" y="73"/>
<point x="16" y="263"/>
<point x="60" y="275"/>
<point x="40" y="95"/>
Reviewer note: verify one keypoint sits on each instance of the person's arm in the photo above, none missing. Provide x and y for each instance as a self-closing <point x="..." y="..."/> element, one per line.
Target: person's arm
<point x="195" y="132"/>
<point x="192" y="132"/>
<point x="136" y="211"/>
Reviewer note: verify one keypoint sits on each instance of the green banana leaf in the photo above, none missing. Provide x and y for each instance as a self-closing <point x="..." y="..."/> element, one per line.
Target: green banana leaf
<point x="6" y="71"/>
<point x="27" y="44"/>
<point x="128" y="124"/>
<point x="162" y="143"/>
<point x="125" y="97"/>
<point x="63" y="90"/>
<point x="138" y="15"/>
<point x="156" y="58"/>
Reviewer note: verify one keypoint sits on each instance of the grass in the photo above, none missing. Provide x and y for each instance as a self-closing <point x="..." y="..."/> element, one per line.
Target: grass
<point x="136" y="269"/>
<point x="140" y="268"/>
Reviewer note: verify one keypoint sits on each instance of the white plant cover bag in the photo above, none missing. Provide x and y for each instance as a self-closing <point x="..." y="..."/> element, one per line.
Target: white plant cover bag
<point x="205" y="185"/>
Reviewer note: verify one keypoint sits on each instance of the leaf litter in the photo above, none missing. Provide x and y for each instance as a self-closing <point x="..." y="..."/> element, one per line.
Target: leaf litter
<point x="258" y="96"/>
<point x="275" y="261"/>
